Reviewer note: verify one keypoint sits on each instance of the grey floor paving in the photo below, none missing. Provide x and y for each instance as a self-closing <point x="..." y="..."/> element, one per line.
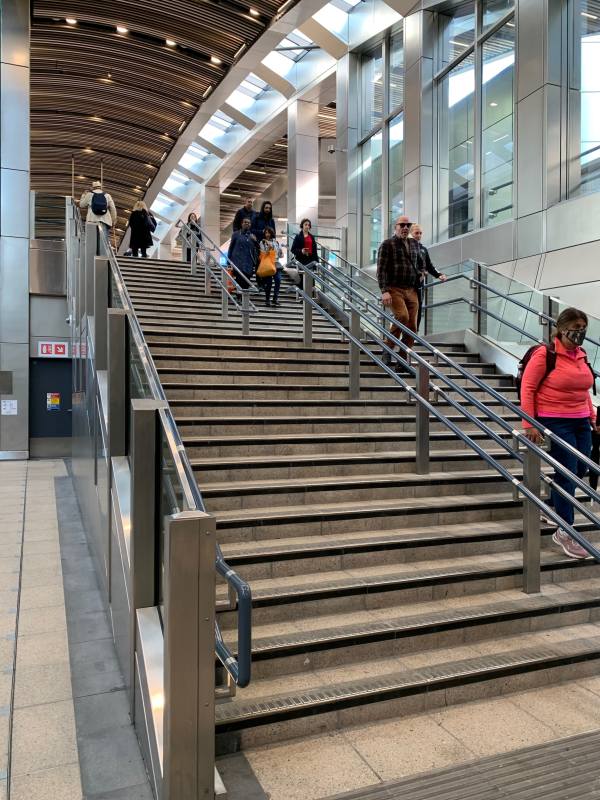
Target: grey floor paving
<point x="110" y="760"/>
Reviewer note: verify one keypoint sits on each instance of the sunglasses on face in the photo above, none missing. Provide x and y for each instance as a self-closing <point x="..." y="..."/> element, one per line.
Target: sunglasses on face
<point x="404" y="224"/>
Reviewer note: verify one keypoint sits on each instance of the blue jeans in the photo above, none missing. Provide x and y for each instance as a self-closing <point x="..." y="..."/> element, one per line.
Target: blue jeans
<point x="578" y="433"/>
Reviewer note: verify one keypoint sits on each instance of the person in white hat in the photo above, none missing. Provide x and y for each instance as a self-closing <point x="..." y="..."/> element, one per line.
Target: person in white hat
<point x="100" y="206"/>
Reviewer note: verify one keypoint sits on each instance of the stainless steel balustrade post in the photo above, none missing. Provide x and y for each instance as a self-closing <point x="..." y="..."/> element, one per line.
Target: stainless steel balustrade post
<point x="354" y="354"/>
<point x="101" y="284"/>
<point x="224" y="304"/>
<point x="116" y="382"/>
<point x="422" y="422"/>
<point x="477" y="297"/>
<point x="245" y="312"/>
<point x="531" y="523"/>
<point x="90" y="253"/>
<point x="189" y="660"/>
<point x="307" y="326"/>
<point x="548" y="308"/>
<point x="194" y="260"/>
<point x="207" y="281"/>
<point x="143" y="460"/>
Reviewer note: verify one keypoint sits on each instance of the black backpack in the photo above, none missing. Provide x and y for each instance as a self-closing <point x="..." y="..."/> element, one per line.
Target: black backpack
<point x="99" y="204"/>
<point x="550" y="364"/>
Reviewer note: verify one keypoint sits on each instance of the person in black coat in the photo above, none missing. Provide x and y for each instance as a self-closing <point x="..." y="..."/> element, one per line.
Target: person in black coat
<point x="417" y="234"/>
<point x="263" y="220"/>
<point x="193" y="224"/>
<point x="142" y="225"/>
<point x="304" y="246"/>
<point x="245" y="212"/>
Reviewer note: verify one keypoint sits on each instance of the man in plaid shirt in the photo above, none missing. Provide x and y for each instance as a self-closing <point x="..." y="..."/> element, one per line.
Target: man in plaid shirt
<point x="399" y="269"/>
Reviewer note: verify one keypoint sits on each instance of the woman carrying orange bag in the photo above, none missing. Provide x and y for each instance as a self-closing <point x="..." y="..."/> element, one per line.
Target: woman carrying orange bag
<point x="268" y="273"/>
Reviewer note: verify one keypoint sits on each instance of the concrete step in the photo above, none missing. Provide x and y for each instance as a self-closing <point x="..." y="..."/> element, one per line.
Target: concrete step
<point x="258" y="494"/>
<point x="195" y="425"/>
<point x="343" y="464"/>
<point x="284" y="648"/>
<point x="330" y="519"/>
<point x="273" y="709"/>
<point x="331" y="443"/>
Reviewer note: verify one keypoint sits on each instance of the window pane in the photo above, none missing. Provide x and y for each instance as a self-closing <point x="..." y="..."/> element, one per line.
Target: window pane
<point x="371" y="199"/>
<point x="585" y="105"/>
<point x="396" y="168"/>
<point x="458" y="31"/>
<point x="493" y="10"/>
<point x="457" y="173"/>
<point x="396" y="71"/>
<point x="372" y="90"/>
<point x="497" y="126"/>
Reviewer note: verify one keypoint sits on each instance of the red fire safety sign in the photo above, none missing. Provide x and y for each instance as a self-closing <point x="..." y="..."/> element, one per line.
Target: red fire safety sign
<point x="53" y="349"/>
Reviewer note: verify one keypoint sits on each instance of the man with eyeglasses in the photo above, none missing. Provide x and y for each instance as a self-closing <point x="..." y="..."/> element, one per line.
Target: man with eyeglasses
<point x="399" y="267"/>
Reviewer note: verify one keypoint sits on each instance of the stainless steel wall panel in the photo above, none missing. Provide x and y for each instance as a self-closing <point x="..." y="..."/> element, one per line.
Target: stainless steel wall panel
<point x="492" y="245"/>
<point x="14" y="32"/>
<point x="14" y="430"/>
<point x="47" y="271"/>
<point x="530" y="235"/>
<point x="558" y="269"/>
<point x="527" y="269"/>
<point x="530" y="26"/>
<point x="530" y="155"/>
<point x="14" y="282"/>
<point x="14" y="120"/>
<point x="418" y="116"/>
<point x="555" y="9"/>
<point x="573" y="222"/>
<point x="553" y="149"/>
<point x="446" y="253"/>
<point x="48" y="316"/>
<point x="14" y="203"/>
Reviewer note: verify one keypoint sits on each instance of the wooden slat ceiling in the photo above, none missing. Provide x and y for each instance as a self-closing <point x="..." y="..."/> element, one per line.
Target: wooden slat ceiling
<point x="124" y="98"/>
<point x="273" y="162"/>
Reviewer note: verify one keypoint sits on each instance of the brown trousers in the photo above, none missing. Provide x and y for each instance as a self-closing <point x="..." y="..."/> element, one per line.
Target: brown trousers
<point x="405" y="305"/>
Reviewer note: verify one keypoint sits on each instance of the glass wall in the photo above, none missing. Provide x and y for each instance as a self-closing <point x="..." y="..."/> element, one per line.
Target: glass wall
<point x="475" y="133"/>
<point x="371" y="197"/>
<point x="382" y="143"/>
<point x="584" y="172"/>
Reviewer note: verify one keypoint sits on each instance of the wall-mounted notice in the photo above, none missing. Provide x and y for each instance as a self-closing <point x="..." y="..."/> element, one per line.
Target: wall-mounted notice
<point x="53" y="349"/>
<point x="53" y="401"/>
<point x="9" y="408"/>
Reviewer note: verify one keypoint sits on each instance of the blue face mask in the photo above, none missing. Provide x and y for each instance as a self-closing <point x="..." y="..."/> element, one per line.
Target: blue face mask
<point x="576" y="336"/>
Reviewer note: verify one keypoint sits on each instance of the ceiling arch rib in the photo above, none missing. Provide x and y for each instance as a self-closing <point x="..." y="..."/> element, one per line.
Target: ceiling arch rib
<point x="125" y="98"/>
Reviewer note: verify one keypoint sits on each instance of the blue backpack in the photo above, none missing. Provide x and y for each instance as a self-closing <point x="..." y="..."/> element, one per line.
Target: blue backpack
<point x="99" y="204"/>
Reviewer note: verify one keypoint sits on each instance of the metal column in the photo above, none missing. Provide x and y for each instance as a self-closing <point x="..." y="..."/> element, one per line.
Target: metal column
<point x="245" y="312"/>
<point x="117" y="382"/>
<point x="309" y="285"/>
<point x="531" y="523"/>
<point x="422" y="422"/>
<point x="189" y="666"/>
<point x="101" y="284"/>
<point x="354" y="357"/>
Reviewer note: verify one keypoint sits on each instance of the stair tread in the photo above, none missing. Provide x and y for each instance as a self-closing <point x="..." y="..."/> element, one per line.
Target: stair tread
<point x="394" y="478"/>
<point x="333" y="685"/>
<point x="354" y="436"/>
<point x="381" y="574"/>
<point x="363" y="507"/>
<point x="348" y="626"/>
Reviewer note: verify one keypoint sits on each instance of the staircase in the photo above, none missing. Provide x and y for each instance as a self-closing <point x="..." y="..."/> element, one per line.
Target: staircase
<point x="377" y="592"/>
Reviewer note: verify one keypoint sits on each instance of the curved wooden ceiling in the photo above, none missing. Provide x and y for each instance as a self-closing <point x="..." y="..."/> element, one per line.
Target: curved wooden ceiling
<point x="123" y="99"/>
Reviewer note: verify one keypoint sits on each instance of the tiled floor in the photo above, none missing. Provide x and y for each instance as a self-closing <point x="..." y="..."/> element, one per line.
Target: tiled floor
<point x="65" y="732"/>
<point x="365" y="755"/>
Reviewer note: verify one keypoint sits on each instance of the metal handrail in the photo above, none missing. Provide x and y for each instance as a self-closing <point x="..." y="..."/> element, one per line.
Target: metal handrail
<point x="199" y="243"/>
<point x="540" y="314"/>
<point x="519" y="437"/>
<point x="517" y="410"/>
<point x="240" y="668"/>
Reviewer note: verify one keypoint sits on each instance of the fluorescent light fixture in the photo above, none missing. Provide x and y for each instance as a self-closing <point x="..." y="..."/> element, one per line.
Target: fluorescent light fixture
<point x="96" y="119"/>
<point x="87" y="150"/>
<point x="254" y="12"/>
<point x="215" y="60"/>
<point x="280" y="144"/>
<point x="500" y="138"/>
<point x="511" y="24"/>
<point x="181" y="127"/>
<point x="187" y="104"/>
<point x="282" y="8"/>
<point x="122" y="29"/>
<point x="229" y="194"/>
<point x="240" y="51"/>
<point x="207" y="91"/>
<point x="164" y="155"/>
<point x="493" y="105"/>
<point x="256" y="171"/>
<point x="170" y="43"/>
<point x="589" y="16"/>
<point x="71" y="21"/>
<point x="460" y="44"/>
